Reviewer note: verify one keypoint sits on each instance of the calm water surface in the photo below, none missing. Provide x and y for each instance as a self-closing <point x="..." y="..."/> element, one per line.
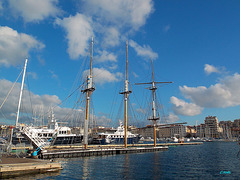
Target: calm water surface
<point x="212" y="160"/>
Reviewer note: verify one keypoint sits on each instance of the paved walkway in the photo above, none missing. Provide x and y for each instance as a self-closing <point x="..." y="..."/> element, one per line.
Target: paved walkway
<point x="5" y="160"/>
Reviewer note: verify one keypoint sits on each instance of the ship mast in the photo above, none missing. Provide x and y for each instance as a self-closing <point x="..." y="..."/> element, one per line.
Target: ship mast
<point x="20" y="100"/>
<point x="88" y="90"/>
<point x="126" y="93"/>
<point x="21" y="91"/>
<point x="154" y="117"/>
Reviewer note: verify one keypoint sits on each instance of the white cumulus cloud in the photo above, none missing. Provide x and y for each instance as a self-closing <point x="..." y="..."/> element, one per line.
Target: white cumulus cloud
<point x="15" y="47"/>
<point x="120" y="13"/>
<point x="172" y="118"/>
<point x="104" y="56"/>
<point x="101" y="76"/>
<point x="103" y="120"/>
<point x="111" y="37"/>
<point x="34" y="10"/>
<point x="114" y="21"/>
<point x="104" y="76"/>
<point x="226" y="93"/>
<point x="183" y="108"/>
<point x="37" y="103"/>
<point x="10" y="106"/>
<point x="79" y="32"/>
<point x="144" y="51"/>
<point x="210" y="69"/>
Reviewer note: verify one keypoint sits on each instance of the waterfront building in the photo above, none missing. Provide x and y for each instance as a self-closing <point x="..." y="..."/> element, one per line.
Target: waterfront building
<point x="200" y="130"/>
<point x="147" y="132"/>
<point x="164" y="132"/>
<point x="236" y="123"/>
<point x="191" y="130"/>
<point x="133" y="129"/>
<point x="178" y="131"/>
<point x="101" y="129"/>
<point x="236" y="128"/>
<point x="212" y="129"/>
<point x="226" y="127"/>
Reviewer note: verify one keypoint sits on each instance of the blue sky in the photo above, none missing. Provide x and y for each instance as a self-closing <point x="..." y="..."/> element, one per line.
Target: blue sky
<point x="195" y="44"/>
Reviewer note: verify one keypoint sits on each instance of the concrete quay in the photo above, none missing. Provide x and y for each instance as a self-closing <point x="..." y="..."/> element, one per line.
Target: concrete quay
<point x="12" y="167"/>
<point x="80" y="152"/>
<point x="74" y="151"/>
<point x="73" y="146"/>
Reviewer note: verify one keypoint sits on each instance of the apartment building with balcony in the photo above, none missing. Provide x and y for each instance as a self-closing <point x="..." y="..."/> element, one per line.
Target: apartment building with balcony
<point x="212" y="129"/>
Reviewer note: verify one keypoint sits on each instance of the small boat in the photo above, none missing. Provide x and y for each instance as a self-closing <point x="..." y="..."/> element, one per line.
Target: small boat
<point x="175" y="139"/>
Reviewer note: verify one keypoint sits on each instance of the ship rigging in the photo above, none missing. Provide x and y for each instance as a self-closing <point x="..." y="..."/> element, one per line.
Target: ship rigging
<point x="154" y="118"/>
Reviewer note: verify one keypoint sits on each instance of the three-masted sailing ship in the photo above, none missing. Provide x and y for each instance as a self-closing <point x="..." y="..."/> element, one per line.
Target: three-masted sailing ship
<point x="121" y="135"/>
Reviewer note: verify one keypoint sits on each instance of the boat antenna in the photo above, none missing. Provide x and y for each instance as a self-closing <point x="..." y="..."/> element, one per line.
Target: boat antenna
<point x="88" y="90"/>
<point x="126" y="93"/>
<point x="153" y="88"/>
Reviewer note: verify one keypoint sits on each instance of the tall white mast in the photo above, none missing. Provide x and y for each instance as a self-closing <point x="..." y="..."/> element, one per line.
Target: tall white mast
<point x="19" y="101"/>
<point x="89" y="90"/>
<point x="21" y="91"/>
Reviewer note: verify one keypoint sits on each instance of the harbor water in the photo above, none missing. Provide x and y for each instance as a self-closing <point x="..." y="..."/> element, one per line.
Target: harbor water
<point x="211" y="160"/>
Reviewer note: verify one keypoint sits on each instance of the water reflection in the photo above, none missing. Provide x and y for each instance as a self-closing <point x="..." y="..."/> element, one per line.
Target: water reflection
<point x="184" y="162"/>
<point x="85" y="168"/>
<point x="37" y="176"/>
<point x="126" y="167"/>
<point x="157" y="171"/>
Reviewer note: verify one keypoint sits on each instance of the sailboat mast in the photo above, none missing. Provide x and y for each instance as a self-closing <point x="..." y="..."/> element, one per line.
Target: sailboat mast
<point x="21" y="91"/>
<point x="89" y="90"/>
